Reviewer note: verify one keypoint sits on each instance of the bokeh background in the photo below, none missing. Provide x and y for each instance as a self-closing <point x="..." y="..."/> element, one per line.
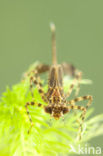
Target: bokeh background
<point x="25" y="38"/>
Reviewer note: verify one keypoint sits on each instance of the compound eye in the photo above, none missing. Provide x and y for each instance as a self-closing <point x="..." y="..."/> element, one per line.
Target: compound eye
<point x="48" y="110"/>
<point x="65" y="110"/>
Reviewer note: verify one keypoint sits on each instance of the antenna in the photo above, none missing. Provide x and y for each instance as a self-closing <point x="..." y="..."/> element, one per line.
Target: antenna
<point x="54" y="60"/>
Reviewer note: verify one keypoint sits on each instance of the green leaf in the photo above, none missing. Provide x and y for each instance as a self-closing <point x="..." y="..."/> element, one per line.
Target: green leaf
<point x="47" y="137"/>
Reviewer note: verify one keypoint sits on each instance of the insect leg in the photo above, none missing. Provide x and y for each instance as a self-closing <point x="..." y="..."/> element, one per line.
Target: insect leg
<point x="26" y="106"/>
<point x="35" y="79"/>
<point x="84" y="109"/>
<point x="40" y="68"/>
<point x="37" y="82"/>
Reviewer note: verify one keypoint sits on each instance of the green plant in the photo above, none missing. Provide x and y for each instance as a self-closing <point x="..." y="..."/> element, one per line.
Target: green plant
<point x="47" y="138"/>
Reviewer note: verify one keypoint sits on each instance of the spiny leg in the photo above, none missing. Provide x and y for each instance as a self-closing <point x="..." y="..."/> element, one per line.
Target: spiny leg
<point x="39" y="69"/>
<point x="31" y="86"/>
<point x="31" y="81"/>
<point x="77" y="75"/>
<point x="74" y="107"/>
<point x="37" y="82"/>
<point x="84" y="109"/>
<point x="35" y="79"/>
<point x="26" y="106"/>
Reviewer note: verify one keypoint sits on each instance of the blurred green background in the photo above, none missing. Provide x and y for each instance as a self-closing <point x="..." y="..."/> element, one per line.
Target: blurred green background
<point x="25" y="38"/>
